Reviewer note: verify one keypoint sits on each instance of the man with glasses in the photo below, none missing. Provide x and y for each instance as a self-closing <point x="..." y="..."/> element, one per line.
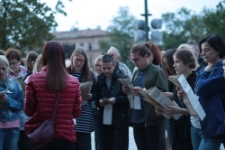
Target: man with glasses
<point x="114" y="52"/>
<point x="146" y="124"/>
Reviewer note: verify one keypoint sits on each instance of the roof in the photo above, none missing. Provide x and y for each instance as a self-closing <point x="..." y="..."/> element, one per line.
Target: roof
<point x="79" y="34"/>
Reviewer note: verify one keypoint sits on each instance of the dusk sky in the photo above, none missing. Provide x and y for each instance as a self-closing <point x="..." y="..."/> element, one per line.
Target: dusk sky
<point x="85" y="14"/>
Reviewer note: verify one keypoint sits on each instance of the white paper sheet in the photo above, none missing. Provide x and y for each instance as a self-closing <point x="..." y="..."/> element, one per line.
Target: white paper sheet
<point x="85" y="89"/>
<point x="107" y="115"/>
<point x="137" y="102"/>
<point x="192" y="97"/>
<point x="174" y="80"/>
<point x="130" y="94"/>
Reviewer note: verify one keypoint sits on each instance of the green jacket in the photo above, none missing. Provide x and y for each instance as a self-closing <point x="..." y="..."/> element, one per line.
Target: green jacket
<point x="154" y="77"/>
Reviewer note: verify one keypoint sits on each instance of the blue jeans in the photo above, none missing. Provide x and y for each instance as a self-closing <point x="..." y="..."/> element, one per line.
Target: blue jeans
<point x="9" y="138"/>
<point x="199" y="142"/>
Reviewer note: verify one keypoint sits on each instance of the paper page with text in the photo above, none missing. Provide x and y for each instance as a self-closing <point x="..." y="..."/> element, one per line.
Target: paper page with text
<point x="158" y="96"/>
<point x="192" y="97"/>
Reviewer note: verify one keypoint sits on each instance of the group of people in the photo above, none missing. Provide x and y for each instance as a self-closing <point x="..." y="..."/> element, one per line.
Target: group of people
<point x="28" y="93"/>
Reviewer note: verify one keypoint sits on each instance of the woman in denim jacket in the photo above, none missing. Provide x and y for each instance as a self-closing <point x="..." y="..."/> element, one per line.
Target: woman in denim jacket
<point x="210" y="89"/>
<point x="11" y="102"/>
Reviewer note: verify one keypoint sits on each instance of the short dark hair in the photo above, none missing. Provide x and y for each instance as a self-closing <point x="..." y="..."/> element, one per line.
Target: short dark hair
<point x="108" y="59"/>
<point x="187" y="57"/>
<point x="216" y="42"/>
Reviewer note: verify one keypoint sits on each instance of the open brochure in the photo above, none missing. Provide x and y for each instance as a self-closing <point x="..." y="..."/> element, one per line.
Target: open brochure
<point x="85" y="89"/>
<point x="189" y="98"/>
<point x="133" y="100"/>
<point x="155" y="97"/>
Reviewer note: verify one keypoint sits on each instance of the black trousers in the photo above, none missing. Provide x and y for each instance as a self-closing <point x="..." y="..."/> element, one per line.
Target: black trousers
<point x="83" y="141"/>
<point x="23" y="143"/>
<point x="57" y="144"/>
<point x="114" y="139"/>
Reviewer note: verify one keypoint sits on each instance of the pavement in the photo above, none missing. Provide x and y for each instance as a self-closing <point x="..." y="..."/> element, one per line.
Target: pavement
<point x="132" y="145"/>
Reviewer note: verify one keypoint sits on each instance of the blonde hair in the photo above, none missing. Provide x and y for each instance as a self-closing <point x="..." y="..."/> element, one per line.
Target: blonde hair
<point x="98" y="58"/>
<point x="38" y="64"/>
<point x="187" y="47"/>
<point x="4" y="59"/>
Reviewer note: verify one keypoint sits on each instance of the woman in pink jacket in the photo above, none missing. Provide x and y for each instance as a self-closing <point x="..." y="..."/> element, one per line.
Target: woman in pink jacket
<point x="41" y="90"/>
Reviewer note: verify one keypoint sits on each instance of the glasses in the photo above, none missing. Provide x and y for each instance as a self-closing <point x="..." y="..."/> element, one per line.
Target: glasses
<point x="135" y="59"/>
<point x="79" y="60"/>
<point x="13" y="63"/>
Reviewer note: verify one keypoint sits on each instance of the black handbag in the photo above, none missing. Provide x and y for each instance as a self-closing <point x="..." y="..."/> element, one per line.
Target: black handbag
<point x="44" y="133"/>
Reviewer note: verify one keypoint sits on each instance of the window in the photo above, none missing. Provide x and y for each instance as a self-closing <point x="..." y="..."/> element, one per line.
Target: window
<point x="90" y="46"/>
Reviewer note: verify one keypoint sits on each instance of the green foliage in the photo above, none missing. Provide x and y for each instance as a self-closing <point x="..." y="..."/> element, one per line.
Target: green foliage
<point x="26" y="24"/>
<point x="185" y="26"/>
<point x="214" y="20"/>
<point x="121" y="35"/>
<point x="182" y="27"/>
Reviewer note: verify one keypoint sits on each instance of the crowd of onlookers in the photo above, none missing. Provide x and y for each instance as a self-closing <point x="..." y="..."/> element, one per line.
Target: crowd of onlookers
<point x="28" y="92"/>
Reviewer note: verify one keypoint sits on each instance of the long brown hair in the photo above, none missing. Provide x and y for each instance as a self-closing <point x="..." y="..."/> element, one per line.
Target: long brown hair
<point x="85" y="70"/>
<point x="53" y="57"/>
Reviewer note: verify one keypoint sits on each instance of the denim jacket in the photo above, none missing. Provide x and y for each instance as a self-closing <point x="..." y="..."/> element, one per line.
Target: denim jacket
<point x="9" y="109"/>
<point x="210" y="87"/>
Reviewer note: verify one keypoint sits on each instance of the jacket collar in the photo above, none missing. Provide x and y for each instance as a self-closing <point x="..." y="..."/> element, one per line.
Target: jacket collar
<point x="5" y="83"/>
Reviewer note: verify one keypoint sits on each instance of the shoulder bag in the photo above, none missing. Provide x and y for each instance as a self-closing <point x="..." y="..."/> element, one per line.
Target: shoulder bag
<point x="44" y="133"/>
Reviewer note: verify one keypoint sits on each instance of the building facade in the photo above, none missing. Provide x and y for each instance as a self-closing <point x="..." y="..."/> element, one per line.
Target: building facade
<point x="87" y="39"/>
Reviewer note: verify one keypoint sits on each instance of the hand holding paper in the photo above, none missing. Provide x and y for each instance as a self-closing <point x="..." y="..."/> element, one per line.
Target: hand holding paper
<point x="125" y="89"/>
<point x="85" y="91"/>
<point x="103" y="102"/>
<point x="168" y="94"/>
<point x="175" y="109"/>
<point x="157" y="98"/>
<point x="137" y="90"/>
<point x="111" y="100"/>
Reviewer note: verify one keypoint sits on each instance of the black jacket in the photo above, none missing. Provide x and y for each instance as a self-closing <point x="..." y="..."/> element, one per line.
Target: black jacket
<point x="121" y="105"/>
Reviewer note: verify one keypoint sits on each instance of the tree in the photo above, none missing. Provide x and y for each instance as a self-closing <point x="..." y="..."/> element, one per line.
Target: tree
<point x="121" y="34"/>
<point x="214" y="20"/>
<point x="26" y="24"/>
<point x="181" y="27"/>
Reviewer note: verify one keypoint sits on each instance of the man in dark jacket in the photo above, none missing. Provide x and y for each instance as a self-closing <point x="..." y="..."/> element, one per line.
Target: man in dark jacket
<point x="114" y="107"/>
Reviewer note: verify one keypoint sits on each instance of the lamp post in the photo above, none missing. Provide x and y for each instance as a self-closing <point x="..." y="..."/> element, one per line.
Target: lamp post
<point x="146" y="14"/>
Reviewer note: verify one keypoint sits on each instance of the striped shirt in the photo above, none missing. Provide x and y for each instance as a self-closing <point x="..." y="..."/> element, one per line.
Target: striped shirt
<point x="85" y="122"/>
